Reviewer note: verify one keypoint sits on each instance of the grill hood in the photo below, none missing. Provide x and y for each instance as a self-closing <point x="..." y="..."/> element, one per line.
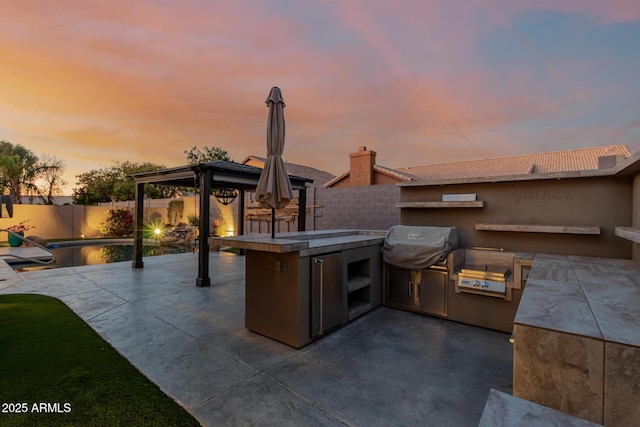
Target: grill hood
<point x="416" y="248"/>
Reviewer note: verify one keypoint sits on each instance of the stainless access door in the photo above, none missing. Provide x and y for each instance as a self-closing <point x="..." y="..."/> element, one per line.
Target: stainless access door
<point x="327" y="293"/>
<point x="400" y="289"/>
<point x="431" y="293"/>
<point x="427" y="295"/>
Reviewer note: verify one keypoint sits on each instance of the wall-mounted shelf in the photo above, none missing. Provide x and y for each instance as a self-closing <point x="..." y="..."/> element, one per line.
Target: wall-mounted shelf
<point x="629" y="233"/>
<point x="555" y="229"/>
<point x="435" y="205"/>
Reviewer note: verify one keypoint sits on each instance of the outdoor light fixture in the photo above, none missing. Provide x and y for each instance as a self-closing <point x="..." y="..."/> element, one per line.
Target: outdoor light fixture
<point x="225" y="195"/>
<point x="155" y="230"/>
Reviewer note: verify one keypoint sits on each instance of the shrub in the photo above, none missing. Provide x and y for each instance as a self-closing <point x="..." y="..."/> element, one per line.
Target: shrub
<point x="175" y="210"/>
<point x="194" y="220"/>
<point x="118" y="223"/>
<point x="155" y="217"/>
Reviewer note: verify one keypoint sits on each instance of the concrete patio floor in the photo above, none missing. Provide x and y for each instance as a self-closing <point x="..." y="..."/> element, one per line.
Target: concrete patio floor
<point x="388" y="368"/>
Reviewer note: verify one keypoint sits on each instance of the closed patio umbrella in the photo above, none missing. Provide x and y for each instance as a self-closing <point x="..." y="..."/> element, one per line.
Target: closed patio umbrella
<point x="274" y="188"/>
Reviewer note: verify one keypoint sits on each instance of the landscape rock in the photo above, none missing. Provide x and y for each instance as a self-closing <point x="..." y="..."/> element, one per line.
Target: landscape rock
<point x="35" y="239"/>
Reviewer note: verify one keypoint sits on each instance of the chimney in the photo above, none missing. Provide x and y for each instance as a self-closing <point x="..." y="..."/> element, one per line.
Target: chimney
<point x="361" y="171"/>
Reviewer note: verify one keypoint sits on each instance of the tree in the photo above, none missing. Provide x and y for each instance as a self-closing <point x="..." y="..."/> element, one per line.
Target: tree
<point x="114" y="184"/>
<point x="50" y="181"/>
<point x="125" y="188"/>
<point x="95" y="187"/>
<point x="18" y="170"/>
<point x="195" y="155"/>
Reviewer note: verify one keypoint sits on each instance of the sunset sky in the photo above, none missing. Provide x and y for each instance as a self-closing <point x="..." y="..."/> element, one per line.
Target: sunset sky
<point x="420" y="82"/>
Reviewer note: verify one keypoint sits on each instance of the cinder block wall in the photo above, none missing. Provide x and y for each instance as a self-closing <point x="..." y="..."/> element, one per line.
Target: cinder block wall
<point x="366" y="207"/>
<point x="57" y="222"/>
<point x="67" y="222"/>
<point x="159" y="208"/>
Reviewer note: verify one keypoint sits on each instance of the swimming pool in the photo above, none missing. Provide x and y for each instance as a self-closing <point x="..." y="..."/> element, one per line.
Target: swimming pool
<point x="73" y="254"/>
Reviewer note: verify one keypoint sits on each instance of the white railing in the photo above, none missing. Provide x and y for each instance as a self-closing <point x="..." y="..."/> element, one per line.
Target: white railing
<point x="30" y="242"/>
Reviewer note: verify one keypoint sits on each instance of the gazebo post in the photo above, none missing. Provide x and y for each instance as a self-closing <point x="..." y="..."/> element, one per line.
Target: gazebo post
<point x="139" y="226"/>
<point x="205" y="176"/>
<point x="302" y="209"/>
<point x="241" y="212"/>
<point x="240" y="216"/>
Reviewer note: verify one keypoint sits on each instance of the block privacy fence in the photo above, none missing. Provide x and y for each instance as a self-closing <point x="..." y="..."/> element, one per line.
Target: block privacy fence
<point x="369" y="208"/>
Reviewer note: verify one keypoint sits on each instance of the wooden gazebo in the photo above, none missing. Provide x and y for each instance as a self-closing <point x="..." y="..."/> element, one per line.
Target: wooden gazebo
<point x="207" y="177"/>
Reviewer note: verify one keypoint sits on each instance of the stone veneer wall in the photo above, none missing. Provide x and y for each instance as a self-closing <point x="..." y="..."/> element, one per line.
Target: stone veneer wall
<point x="365" y="207"/>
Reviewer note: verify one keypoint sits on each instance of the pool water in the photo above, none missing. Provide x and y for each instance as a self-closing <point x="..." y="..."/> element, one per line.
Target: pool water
<point x="77" y="255"/>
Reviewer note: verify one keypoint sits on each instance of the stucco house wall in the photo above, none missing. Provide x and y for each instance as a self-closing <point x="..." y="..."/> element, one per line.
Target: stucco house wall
<point x="604" y="202"/>
<point x="636" y="214"/>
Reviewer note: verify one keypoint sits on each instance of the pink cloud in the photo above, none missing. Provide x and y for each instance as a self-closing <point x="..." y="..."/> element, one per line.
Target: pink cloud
<point x="154" y="80"/>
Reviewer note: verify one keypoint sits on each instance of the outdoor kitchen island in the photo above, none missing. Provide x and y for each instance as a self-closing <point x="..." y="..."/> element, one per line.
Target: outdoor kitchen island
<point x="577" y="338"/>
<point x="302" y="285"/>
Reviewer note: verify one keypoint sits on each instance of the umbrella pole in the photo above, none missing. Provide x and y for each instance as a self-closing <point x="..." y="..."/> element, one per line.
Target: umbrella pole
<point x="273" y="223"/>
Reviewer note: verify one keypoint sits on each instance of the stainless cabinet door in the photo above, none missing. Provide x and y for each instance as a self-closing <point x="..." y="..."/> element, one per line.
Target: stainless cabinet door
<point x="400" y="289"/>
<point x="429" y="296"/>
<point x="432" y="293"/>
<point x="327" y="293"/>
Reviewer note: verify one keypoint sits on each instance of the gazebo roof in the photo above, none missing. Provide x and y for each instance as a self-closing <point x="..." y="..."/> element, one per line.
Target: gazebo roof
<point x="222" y="172"/>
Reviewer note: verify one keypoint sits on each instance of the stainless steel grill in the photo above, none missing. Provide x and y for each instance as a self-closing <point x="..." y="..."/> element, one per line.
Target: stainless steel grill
<point x="416" y="274"/>
<point x="484" y="278"/>
<point x="415" y="248"/>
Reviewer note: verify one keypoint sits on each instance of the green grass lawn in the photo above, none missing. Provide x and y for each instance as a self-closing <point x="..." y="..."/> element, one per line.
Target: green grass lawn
<point x="60" y="372"/>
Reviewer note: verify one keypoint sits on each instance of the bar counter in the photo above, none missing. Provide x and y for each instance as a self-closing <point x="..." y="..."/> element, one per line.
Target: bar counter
<point x="308" y="243"/>
<point x="303" y="285"/>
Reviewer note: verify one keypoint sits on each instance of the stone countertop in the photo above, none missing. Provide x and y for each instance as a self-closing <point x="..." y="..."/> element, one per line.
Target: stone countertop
<point x="593" y="297"/>
<point x="306" y="242"/>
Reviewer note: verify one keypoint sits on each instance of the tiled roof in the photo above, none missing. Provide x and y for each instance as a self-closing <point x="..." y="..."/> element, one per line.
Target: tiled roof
<point x="396" y="173"/>
<point x="319" y="177"/>
<point x="558" y="161"/>
<point x="401" y="176"/>
<point x="336" y="179"/>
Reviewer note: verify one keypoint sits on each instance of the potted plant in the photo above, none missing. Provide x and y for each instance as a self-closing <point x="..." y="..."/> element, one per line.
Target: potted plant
<point x="18" y="229"/>
<point x="216" y="227"/>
